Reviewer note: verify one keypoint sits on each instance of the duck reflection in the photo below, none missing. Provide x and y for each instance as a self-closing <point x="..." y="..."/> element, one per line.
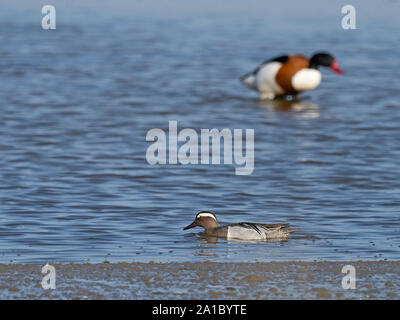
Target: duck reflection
<point x="297" y="108"/>
<point x="209" y="239"/>
<point x="208" y="248"/>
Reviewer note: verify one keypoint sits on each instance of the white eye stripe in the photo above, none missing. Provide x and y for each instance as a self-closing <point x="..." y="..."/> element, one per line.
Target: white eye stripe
<point x="205" y="214"/>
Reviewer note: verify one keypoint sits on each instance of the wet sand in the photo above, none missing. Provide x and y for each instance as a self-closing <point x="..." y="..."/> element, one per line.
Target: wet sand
<point x="205" y="280"/>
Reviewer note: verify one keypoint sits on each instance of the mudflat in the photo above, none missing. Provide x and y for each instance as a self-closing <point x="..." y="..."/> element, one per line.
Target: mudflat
<point x="204" y="280"/>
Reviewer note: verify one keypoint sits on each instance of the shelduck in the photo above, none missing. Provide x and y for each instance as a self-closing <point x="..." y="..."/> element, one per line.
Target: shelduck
<point x="289" y="75"/>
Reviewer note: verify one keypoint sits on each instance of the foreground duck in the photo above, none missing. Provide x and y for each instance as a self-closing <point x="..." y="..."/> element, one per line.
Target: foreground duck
<point x="239" y="231"/>
<point x="289" y="75"/>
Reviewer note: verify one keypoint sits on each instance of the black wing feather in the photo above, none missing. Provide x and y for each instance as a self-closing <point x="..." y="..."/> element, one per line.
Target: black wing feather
<point x="249" y="225"/>
<point x="281" y="59"/>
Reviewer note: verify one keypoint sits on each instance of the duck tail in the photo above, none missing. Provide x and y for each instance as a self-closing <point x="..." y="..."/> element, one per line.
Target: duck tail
<point x="249" y="79"/>
<point x="289" y="231"/>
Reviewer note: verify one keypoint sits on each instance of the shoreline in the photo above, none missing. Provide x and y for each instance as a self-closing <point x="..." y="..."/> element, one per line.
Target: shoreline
<point x="203" y="280"/>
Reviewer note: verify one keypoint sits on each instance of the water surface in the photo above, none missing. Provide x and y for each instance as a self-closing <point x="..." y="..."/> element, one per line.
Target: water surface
<point x="77" y="102"/>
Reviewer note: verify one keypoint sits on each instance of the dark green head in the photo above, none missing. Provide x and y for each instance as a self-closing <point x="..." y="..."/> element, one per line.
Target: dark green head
<point x="325" y="59"/>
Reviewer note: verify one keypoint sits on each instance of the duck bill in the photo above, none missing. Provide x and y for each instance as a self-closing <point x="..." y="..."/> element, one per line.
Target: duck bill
<point x="335" y="68"/>
<point x="194" y="224"/>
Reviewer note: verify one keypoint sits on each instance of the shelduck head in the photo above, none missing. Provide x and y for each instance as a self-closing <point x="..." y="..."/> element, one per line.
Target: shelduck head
<point x="326" y="60"/>
<point x="205" y="219"/>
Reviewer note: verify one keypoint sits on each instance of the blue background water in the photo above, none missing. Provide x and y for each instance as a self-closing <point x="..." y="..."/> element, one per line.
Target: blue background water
<point x="76" y="104"/>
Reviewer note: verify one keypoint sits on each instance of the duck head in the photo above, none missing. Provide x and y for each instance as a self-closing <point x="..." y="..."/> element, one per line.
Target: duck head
<point x="326" y="60"/>
<point x="205" y="219"/>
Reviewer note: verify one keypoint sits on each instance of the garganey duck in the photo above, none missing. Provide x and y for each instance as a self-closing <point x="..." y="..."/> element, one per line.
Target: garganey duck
<point x="239" y="231"/>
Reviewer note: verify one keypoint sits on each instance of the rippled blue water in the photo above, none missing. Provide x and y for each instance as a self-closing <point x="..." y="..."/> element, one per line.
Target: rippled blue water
<point x="76" y="104"/>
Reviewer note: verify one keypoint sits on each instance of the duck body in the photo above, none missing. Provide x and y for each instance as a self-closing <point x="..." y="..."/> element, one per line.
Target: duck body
<point x="288" y="75"/>
<point x="251" y="231"/>
<point x="240" y="231"/>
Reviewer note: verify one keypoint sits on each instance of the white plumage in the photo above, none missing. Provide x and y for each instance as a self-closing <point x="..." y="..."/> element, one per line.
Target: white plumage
<point x="264" y="81"/>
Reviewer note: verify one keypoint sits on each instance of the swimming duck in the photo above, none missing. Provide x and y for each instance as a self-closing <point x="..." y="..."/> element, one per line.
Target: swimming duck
<point x="239" y="231"/>
<point x="289" y="75"/>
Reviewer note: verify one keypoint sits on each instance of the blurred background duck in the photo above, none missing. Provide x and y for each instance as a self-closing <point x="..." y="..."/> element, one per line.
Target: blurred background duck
<point x="289" y="75"/>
